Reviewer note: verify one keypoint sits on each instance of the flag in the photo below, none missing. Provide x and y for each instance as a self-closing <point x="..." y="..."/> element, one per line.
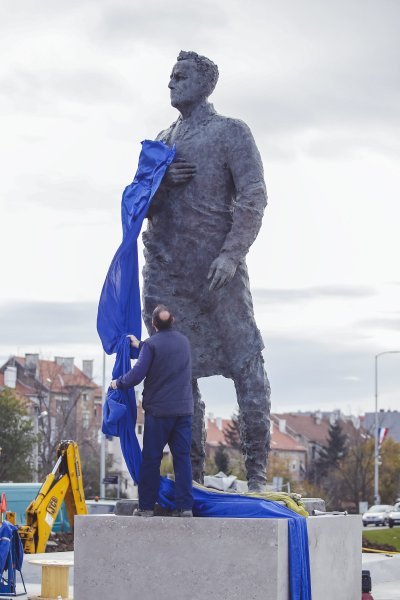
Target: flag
<point x="3" y="503"/>
<point x="382" y="433"/>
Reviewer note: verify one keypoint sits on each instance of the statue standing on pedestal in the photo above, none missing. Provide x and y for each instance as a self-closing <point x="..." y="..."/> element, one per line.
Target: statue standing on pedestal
<point x="201" y="224"/>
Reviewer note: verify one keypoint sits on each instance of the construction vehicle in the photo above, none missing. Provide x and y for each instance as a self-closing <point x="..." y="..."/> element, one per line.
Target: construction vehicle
<point x="64" y="483"/>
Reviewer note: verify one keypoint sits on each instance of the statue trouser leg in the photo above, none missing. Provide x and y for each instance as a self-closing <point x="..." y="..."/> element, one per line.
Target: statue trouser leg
<point x="253" y="394"/>
<point x="198" y="452"/>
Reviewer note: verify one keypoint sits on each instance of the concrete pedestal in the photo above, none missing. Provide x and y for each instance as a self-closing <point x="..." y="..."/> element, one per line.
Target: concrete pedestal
<point x="125" y="558"/>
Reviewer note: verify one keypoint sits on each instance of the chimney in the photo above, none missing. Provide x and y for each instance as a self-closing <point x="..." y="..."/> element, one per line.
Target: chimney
<point x="282" y="425"/>
<point x="318" y="417"/>
<point x="66" y="363"/>
<point x="218" y="422"/>
<point x="10" y="377"/>
<point x="87" y="368"/>
<point x="271" y="427"/>
<point x="31" y="362"/>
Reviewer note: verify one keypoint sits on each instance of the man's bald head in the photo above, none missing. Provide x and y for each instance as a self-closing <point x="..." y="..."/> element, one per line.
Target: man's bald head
<point x="162" y="318"/>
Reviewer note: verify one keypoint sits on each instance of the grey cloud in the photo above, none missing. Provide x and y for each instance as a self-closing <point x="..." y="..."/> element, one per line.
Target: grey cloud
<point x="39" y="323"/>
<point x="161" y="22"/>
<point x="340" y="292"/>
<point x="344" y="80"/>
<point x="381" y="323"/>
<point x="45" y="91"/>
<point x="308" y="373"/>
<point x="72" y="193"/>
<point x="313" y="372"/>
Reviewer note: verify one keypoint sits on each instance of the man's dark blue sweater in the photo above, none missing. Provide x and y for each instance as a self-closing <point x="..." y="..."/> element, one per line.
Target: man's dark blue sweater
<point x="165" y="364"/>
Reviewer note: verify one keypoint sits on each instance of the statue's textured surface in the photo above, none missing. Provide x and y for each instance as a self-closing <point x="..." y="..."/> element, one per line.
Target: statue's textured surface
<point x="202" y="223"/>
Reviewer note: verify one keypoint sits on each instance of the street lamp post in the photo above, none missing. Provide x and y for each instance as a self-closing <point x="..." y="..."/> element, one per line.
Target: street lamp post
<point x="377" y="497"/>
<point x="103" y="437"/>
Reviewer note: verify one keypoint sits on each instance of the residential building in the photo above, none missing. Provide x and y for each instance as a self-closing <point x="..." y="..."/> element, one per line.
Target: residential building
<point x="283" y="445"/>
<point x="62" y="400"/>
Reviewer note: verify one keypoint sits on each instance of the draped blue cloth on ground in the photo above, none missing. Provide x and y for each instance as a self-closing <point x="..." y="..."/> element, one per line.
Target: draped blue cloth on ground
<point x="208" y="503"/>
<point x="119" y="314"/>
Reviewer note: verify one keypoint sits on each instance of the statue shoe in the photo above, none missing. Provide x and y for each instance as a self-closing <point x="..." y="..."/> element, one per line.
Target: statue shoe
<point x="257" y="487"/>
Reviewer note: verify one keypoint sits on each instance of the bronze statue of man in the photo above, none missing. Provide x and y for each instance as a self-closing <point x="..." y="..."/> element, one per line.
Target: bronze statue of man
<point x="202" y="222"/>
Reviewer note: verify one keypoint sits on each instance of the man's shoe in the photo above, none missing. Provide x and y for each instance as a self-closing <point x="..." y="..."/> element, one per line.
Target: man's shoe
<point x="182" y="512"/>
<point x="143" y="513"/>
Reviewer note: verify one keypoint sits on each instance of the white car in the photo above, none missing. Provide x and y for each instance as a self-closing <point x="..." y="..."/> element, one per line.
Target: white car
<point x="394" y="515"/>
<point x="377" y="515"/>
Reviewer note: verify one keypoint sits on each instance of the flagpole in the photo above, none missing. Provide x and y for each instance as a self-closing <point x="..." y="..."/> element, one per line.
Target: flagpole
<point x="377" y="498"/>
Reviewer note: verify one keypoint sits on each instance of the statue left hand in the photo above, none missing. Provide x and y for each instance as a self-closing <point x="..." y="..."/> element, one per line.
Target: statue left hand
<point x="221" y="272"/>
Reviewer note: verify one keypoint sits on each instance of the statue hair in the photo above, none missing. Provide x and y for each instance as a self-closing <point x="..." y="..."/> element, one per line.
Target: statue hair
<point x="207" y="68"/>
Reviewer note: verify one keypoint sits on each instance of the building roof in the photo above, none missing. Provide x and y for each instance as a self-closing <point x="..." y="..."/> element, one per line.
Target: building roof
<point x="310" y="427"/>
<point x="50" y="376"/>
<point x="21" y="388"/>
<point x="284" y="442"/>
<point x="279" y="440"/>
<point x="215" y="433"/>
<point x="55" y="378"/>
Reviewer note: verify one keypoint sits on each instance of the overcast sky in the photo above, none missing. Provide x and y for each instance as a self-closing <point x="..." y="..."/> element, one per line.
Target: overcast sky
<point x="83" y="82"/>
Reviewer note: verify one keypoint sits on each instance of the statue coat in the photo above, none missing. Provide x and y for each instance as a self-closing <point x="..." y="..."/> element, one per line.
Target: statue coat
<point x="218" y="212"/>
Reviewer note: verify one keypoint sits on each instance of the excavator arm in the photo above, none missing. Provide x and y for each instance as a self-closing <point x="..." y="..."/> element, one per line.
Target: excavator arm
<point x="64" y="483"/>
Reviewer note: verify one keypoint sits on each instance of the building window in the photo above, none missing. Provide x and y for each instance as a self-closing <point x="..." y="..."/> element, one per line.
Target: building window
<point x="85" y="397"/>
<point x="85" y="419"/>
<point x="139" y="429"/>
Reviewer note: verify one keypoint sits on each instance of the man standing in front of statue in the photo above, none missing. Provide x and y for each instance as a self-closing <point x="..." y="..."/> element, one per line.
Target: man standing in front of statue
<point x="201" y="224"/>
<point x="165" y="365"/>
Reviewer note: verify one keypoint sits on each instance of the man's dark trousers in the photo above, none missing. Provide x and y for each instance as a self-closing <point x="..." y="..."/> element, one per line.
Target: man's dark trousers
<point x="177" y="433"/>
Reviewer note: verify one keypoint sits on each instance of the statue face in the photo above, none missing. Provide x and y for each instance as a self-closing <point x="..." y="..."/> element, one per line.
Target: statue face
<point x="186" y="84"/>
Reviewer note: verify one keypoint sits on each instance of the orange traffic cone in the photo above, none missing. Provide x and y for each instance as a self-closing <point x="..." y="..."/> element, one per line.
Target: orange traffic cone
<point x="3" y="505"/>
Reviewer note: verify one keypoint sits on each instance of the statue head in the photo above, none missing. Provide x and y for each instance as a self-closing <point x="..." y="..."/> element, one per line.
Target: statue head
<point x="193" y="79"/>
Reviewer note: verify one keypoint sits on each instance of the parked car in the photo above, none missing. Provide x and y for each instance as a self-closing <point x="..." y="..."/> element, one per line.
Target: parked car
<point x="394" y="515"/>
<point x="100" y="507"/>
<point x="377" y="515"/>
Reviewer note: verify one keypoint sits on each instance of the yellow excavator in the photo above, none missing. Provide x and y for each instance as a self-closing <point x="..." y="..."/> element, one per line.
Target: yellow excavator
<point x="64" y="483"/>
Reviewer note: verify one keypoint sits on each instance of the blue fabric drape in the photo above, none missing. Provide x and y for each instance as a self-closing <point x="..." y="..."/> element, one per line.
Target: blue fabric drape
<point x="234" y="506"/>
<point x="119" y="311"/>
<point x="119" y="314"/>
<point x="10" y="542"/>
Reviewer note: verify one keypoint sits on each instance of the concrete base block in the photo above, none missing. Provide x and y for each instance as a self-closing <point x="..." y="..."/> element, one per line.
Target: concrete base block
<point x="237" y="559"/>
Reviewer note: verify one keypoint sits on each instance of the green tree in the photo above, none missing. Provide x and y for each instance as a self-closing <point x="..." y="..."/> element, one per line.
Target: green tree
<point x="90" y="461"/>
<point x="16" y="439"/>
<point x="357" y="471"/>
<point x="279" y="467"/>
<point x="232" y="433"/>
<point x="344" y="470"/>
<point x="389" y="471"/>
<point x="335" y="450"/>
<point x="221" y="459"/>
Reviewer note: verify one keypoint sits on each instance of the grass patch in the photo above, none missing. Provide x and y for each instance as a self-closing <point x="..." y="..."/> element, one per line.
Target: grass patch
<point x="385" y="539"/>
